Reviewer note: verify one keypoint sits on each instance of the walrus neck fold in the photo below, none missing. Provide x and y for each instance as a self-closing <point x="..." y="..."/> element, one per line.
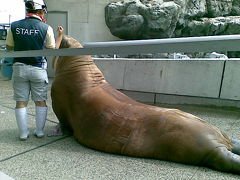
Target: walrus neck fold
<point x="80" y="68"/>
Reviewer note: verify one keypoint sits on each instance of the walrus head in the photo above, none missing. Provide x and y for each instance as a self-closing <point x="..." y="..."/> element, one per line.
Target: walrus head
<point x="69" y="42"/>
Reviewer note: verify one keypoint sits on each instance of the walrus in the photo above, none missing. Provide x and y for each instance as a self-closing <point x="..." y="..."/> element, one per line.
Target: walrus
<point x="103" y="118"/>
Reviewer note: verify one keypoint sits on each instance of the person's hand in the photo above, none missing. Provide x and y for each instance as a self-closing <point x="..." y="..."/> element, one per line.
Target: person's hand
<point x="60" y="30"/>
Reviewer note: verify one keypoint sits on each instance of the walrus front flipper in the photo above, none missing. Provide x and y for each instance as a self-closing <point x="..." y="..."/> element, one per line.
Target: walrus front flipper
<point x="59" y="130"/>
<point x="236" y="146"/>
<point x="224" y="160"/>
<point x="55" y="131"/>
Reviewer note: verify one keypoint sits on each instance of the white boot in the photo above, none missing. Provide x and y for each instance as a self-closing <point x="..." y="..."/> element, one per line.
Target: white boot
<point x="41" y="116"/>
<point x="22" y="122"/>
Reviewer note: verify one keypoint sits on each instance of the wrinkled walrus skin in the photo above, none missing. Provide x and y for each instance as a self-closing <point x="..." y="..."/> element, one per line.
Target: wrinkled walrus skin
<point x="105" y="119"/>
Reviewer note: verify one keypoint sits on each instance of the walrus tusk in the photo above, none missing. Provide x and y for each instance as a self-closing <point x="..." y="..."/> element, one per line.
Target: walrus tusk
<point x="105" y="119"/>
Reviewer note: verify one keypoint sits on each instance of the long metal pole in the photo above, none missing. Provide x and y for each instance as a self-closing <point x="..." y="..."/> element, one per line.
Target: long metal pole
<point x="221" y="43"/>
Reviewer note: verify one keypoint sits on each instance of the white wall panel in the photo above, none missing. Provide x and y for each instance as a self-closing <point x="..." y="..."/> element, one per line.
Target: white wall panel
<point x="231" y="81"/>
<point x="192" y="78"/>
<point x="113" y="71"/>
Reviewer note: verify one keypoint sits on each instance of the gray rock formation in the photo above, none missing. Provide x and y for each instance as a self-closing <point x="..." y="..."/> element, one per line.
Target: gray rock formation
<point x="144" y="19"/>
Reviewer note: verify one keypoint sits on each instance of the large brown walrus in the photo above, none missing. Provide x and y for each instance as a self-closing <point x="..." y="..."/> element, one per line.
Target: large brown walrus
<point x="105" y="119"/>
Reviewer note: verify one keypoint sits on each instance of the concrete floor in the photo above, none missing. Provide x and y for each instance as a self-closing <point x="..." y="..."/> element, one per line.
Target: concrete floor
<point x="63" y="158"/>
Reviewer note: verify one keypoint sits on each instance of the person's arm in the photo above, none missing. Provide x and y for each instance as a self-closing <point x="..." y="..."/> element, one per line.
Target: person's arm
<point x="52" y="44"/>
<point x="59" y="37"/>
<point x="9" y="40"/>
<point x="50" y="40"/>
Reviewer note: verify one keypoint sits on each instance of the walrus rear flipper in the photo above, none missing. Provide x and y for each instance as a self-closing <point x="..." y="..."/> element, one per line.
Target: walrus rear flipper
<point x="224" y="160"/>
<point x="236" y="146"/>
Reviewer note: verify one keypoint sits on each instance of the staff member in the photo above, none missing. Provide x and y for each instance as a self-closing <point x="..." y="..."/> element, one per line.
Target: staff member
<point x="29" y="74"/>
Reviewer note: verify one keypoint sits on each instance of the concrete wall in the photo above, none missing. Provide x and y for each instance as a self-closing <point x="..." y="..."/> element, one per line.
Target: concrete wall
<point x="231" y="81"/>
<point x="86" y="19"/>
<point x="206" y="79"/>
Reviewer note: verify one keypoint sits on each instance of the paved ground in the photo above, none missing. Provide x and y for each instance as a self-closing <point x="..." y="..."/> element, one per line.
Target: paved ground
<point x="62" y="158"/>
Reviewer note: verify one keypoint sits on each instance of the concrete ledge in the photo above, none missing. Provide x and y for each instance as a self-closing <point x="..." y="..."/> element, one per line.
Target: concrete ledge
<point x="140" y="96"/>
<point x="154" y="98"/>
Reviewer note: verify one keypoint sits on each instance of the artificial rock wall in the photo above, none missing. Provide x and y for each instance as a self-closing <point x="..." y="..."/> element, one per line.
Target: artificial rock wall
<point x="147" y="19"/>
